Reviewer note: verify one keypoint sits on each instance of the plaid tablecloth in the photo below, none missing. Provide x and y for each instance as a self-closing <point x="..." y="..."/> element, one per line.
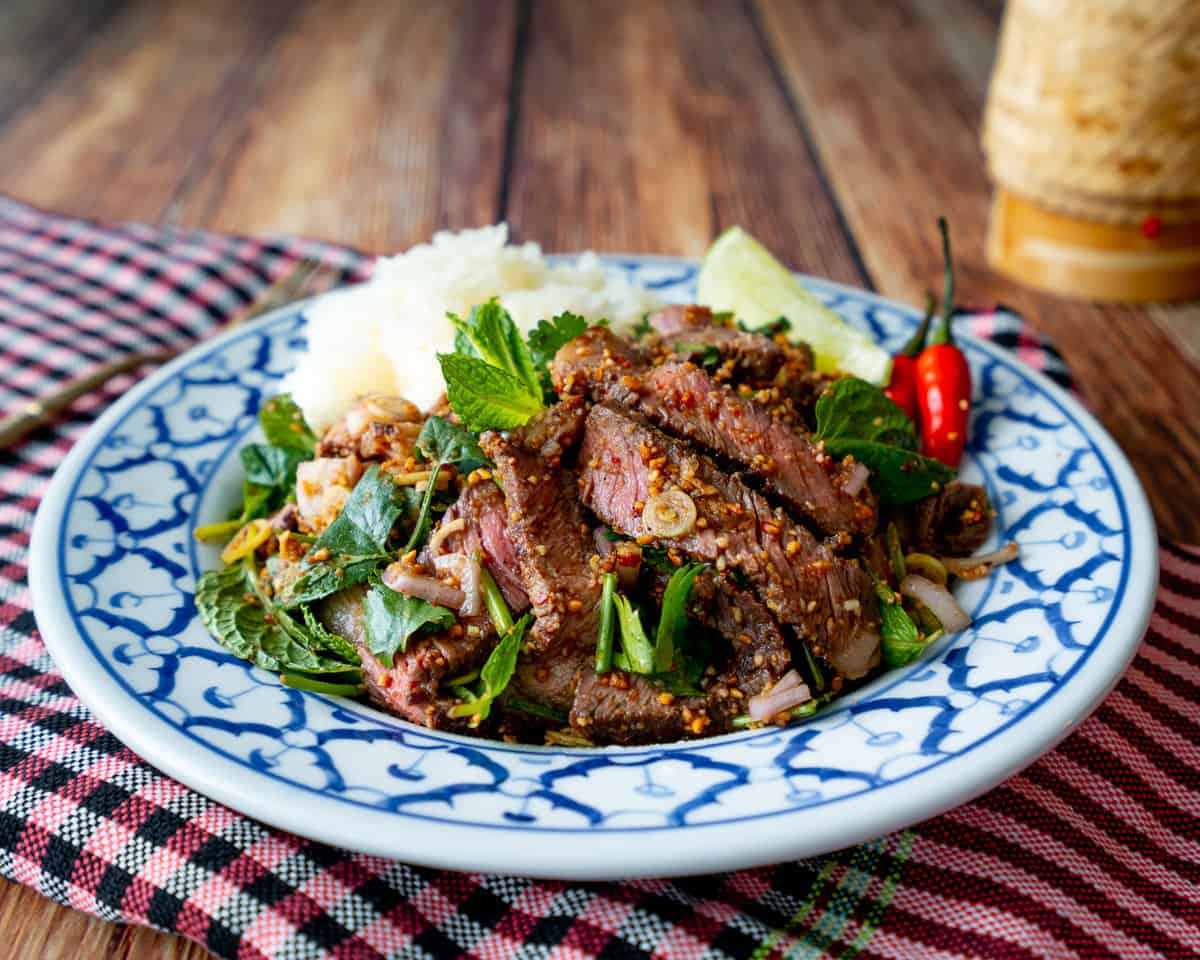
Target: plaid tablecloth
<point x="1094" y="851"/>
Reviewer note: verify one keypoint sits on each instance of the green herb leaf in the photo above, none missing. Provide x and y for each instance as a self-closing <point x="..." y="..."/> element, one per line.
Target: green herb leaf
<point x="235" y="612"/>
<point x="284" y="425"/>
<point x="855" y="418"/>
<point x="496" y="672"/>
<point x="391" y="618"/>
<point x="272" y="467"/>
<point x="444" y="442"/>
<point x="641" y="328"/>
<point x="705" y="355"/>
<point x="898" y="476"/>
<point x="770" y="329"/>
<point x="852" y="409"/>
<point x="256" y="501"/>
<point x="540" y="710"/>
<point x="546" y="339"/>
<point x="635" y="645"/>
<point x="499" y="343"/>
<point x="486" y="397"/>
<point x="355" y="543"/>
<point x="325" y="639"/>
<point x="366" y="521"/>
<point x="673" y="619"/>
<point x="900" y="640"/>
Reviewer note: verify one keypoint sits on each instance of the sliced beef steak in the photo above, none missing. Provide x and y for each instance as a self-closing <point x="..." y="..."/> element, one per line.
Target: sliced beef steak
<point x="689" y="331"/>
<point x="620" y="707"/>
<point x="760" y="651"/>
<point x="954" y="522"/>
<point x="550" y="536"/>
<point x="410" y="687"/>
<point x="686" y="402"/>
<point x="484" y="531"/>
<point x="624" y="462"/>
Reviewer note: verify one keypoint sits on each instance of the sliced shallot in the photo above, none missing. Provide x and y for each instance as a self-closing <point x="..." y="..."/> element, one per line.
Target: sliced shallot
<point x="443" y="531"/>
<point x="766" y="705"/>
<point x="425" y="588"/>
<point x="859" y="474"/>
<point x="938" y="599"/>
<point x="972" y="568"/>
<point x="466" y="570"/>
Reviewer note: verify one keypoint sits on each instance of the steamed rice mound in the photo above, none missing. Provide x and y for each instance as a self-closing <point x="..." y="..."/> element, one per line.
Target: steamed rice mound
<point x="382" y="336"/>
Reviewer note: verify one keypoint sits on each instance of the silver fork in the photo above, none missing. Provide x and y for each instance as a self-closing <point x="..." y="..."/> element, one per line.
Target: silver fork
<point x="37" y="413"/>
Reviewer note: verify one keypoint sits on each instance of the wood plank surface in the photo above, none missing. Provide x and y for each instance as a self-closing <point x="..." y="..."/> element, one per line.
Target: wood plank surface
<point x="837" y="131"/>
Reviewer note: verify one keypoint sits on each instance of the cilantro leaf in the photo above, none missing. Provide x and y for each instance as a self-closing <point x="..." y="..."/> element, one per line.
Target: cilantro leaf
<point x="486" y="397"/>
<point x="391" y="617"/>
<point x="284" y="425"/>
<point x="706" y="355"/>
<point x="546" y="339"/>
<point x="855" y="418"/>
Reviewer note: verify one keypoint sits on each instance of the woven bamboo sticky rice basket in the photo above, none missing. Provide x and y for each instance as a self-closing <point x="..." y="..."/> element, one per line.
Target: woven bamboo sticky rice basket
<point x="1092" y="135"/>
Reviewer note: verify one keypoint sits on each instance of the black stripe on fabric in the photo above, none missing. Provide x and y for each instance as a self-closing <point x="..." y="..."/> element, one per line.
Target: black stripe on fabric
<point x="163" y="909"/>
<point x="439" y="946"/>
<point x="221" y="939"/>
<point x="1171" y="648"/>
<point x="1175" y="684"/>
<point x="104" y="798"/>
<point x="617" y="948"/>
<point x="10" y="830"/>
<point x="24" y="623"/>
<point x="268" y="889"/>
<point x="215" y="854"/>
<point x="1104" y="819"/>
<point x="160" y="826"/>
<point x="110" y="891"/>
<point x="326" y="932"/>
<point x="382" y="897"/>
<point x="484" y="907"/>
<point x="733" y="942"/>
<point x="59" y="858"/>
<point x="1184" y="554"/>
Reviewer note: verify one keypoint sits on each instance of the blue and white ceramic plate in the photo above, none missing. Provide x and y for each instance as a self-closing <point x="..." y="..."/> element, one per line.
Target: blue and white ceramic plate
<point x="114" y="563"/>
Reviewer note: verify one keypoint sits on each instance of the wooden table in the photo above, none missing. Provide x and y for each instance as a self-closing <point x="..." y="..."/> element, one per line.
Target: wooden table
<point x="836" y="130"/>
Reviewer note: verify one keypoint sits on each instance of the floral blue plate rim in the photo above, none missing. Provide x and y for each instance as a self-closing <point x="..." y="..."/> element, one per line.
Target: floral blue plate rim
<point x="1058" y="628"/>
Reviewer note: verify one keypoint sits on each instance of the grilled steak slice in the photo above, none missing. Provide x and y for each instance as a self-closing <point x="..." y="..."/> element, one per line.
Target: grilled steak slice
<point x="481" y="505"/>
<point x="953" y="522"/>
<point x="686" y="402"/>
<point x="550" y="536"/>
<point x="552" y="678"/>
<point x="760" y="651"/>
<point x="624" y="462"/>
<point x="409" y="688"/>
<point x="688" y="330"/>
<point x="620" y="707"/>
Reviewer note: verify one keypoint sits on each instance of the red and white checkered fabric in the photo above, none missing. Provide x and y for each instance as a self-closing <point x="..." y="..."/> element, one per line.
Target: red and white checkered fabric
<point x="1094" y="851"/>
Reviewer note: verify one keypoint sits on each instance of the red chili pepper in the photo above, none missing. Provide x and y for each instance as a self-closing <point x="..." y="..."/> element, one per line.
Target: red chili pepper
<point x="944" y="380"/>
<point x="902" y="388"/>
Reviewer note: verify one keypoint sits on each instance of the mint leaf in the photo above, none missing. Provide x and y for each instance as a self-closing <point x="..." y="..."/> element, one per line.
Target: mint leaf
<point x="636" y="649"/>
<point x="900" y="641"/>
<point x="363" y="526"/>
<point x="853" y="409"/>
<point x="271" y="467"/>
<point x="391" y="618"/>
<point x="498" y="342"/>
<point x="486" y="397"/>
<point x="284" y="425"/>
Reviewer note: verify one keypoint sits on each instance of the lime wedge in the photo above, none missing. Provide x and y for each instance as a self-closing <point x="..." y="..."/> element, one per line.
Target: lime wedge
<point x="739" y="274"/>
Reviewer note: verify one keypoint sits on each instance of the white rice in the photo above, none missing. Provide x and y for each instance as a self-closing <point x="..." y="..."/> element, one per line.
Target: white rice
<point x="382" y="336"/>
